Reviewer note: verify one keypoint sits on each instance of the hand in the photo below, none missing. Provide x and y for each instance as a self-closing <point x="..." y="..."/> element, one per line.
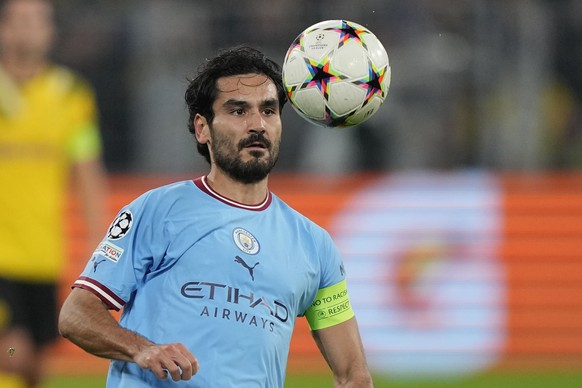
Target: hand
<point x="174" y="359"/>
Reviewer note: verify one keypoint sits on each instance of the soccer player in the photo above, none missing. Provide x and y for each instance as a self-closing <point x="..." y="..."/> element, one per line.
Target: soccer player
<point x="48" y="128"/>
<point x="211" y="273"/>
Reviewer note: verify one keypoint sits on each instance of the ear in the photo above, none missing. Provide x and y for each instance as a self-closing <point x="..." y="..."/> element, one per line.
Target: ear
<point x="202" y="129"/>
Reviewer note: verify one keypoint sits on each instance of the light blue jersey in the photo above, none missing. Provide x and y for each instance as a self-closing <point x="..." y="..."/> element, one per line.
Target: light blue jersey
<point x="225" y="279"/>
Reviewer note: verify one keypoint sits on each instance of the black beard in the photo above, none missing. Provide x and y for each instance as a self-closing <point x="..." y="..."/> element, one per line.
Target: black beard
<point x="253" y="171"/>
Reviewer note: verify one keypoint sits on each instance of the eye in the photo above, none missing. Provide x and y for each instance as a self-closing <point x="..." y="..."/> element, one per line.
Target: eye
<point x="269" y="112"/>
<point x="237" y="111"/>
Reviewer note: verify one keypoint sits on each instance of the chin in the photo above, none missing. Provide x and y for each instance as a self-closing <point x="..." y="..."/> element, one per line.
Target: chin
<point x="259" y="155"/>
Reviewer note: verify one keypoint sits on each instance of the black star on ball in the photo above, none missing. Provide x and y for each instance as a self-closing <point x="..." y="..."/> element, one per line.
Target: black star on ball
<point x="374" y="85"/>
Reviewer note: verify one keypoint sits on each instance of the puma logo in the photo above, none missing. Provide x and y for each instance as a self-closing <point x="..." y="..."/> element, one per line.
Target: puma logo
<point x="244" y="264"/>
<point x="96" y="263"/>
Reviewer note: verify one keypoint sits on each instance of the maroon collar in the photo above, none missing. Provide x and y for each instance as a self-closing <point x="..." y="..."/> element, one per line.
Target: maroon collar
<point x="205" y="187"/>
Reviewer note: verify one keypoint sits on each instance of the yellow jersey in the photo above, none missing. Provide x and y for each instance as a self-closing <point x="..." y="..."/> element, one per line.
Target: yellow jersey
<point x="46" y="125"/>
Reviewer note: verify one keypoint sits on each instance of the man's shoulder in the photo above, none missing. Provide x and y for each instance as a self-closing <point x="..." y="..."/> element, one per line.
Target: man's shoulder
<point x="170" y="191"/>
<point x="163" y="200"/>
<point x="66" y="81"/>
<point x="296" y="215"/>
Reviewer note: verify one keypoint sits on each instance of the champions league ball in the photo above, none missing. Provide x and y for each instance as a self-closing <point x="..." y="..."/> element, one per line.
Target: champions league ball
<point x="336" y="73"/>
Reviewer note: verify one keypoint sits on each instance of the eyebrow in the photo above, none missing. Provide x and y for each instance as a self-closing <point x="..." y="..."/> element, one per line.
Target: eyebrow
<point x="269" y="103"/>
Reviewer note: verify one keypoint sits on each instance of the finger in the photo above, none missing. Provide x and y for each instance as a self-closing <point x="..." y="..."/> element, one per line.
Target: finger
<point x="174" y="360"/>
<point x="186" y="372"/>
<point x="187" y="368"/>
<point x="159" y="371"/>
<point x="195" y="366"/>
<point x="189" y="364"/>
<point x="149" y="358"/>
<point x="173" y="370"/>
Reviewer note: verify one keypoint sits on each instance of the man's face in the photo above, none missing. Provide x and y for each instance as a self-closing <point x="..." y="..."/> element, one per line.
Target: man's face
<point x="26" y="28"/>
<point x="245" y="134"/>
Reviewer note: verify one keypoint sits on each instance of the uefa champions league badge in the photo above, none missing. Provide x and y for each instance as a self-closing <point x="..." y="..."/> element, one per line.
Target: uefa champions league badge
<point x="245" y="241"/>
<point x="120" y="226"/>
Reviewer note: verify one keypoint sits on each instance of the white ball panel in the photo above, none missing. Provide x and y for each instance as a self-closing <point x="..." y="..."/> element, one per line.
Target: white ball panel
<point x="319" y="43"/>
<point x="295" y="71"/>
<point x="365" y="112"/>
<point x="345" y="97"/>
<point x="376" y="51"/>
<point x="311" y="102"/>
<point x="351" y="60"/>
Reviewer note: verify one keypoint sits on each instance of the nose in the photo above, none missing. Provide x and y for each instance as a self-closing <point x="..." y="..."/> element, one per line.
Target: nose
<point x="256" y="122"/>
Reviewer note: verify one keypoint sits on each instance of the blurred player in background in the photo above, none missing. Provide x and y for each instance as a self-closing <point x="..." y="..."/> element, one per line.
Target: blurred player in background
<point x="48" y="127"/>
<point x="211" y="273"/>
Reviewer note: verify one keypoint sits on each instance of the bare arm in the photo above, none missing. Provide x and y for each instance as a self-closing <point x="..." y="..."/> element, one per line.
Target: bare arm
<point x="85" y="321"/>
<point x="342" y="348"/>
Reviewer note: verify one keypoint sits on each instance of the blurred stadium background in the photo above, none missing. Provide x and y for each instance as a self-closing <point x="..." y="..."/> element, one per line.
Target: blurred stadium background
<point x="458" y="207"/>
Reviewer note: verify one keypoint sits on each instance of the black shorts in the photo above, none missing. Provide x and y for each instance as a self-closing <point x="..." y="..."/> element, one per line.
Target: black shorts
<point x="32" y="306"/>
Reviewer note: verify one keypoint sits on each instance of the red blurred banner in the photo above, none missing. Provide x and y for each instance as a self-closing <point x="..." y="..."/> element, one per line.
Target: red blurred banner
<point x="518" y="236"/>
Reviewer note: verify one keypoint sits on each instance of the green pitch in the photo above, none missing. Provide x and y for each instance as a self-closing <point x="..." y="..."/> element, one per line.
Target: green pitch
<point x="498" y="380"/>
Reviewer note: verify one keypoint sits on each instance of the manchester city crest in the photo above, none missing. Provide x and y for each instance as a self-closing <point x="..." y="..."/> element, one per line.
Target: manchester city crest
<point x="245" y="241"/>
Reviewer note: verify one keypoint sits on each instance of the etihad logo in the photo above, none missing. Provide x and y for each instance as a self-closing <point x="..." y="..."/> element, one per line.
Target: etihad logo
<point x="233" y="304"/>
<point x="245" y="241"/>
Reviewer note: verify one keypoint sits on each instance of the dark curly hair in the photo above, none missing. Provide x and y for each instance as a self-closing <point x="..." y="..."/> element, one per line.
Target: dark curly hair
<point x="202" y="91"/>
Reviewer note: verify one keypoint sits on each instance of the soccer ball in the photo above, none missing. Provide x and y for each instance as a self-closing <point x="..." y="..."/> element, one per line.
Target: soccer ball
<point x="337" y="73"/>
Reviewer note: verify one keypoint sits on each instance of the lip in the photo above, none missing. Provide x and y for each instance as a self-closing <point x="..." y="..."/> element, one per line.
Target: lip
<point x="258" y="145"/>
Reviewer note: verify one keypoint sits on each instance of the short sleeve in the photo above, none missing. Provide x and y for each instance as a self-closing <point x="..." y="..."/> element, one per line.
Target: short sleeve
<point x="331" y="264"/>
<point x="123" y="259"/>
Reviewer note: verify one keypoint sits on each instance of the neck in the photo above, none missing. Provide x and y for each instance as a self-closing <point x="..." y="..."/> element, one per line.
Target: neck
<point x="21" y="69"/>
<point x="245" y="193"/>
